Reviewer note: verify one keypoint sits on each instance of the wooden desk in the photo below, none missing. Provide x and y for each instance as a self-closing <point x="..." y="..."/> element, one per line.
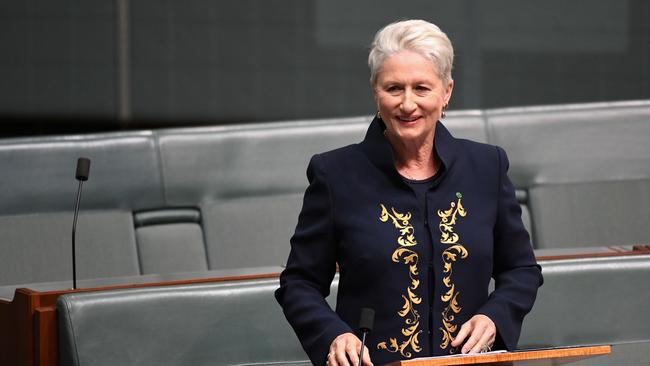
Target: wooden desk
<point x="546" y="357"/>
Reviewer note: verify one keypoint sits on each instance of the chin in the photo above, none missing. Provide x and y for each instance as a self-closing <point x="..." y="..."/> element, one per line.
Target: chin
<point x="409" y="135"/>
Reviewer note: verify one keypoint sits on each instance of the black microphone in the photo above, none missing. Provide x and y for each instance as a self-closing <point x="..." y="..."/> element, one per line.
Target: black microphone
<point x="366" y="322"/>
<point x="83" y="167"/>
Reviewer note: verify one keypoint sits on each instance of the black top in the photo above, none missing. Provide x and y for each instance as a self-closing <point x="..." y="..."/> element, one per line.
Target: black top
<point x="425" y="271"/>
<point x="420" y="187"/>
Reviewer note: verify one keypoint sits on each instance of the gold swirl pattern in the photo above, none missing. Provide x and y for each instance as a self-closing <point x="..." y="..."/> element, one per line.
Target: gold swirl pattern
<point x="410" y="258"/>
<point x="449" y="257"/>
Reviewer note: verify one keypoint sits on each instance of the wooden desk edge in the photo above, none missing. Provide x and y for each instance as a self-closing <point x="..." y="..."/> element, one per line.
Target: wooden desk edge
<point x="27" y="291"/>
<point x="592" y="255"/>
<point x="520" y="355"/>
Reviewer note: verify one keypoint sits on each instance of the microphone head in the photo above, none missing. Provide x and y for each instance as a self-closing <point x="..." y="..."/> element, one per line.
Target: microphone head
<point x="367" y="319"/>
<point x="83" y="167"/>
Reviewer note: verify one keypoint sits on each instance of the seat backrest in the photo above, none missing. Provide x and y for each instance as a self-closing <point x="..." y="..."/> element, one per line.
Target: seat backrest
<point x="227" y="323"/>
<point x="590" y="301"/>
<point x="249" y="179"/>
<point x="37" y="195"/>
<point x="586" y="170"/>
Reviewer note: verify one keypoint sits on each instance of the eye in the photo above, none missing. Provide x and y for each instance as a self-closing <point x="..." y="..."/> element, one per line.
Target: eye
<point x="393" y="89"/>
<point x="422" y="88"/>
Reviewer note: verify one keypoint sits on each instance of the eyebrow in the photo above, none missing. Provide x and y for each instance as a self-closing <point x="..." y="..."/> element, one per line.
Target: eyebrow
<point x="417" y="82"/>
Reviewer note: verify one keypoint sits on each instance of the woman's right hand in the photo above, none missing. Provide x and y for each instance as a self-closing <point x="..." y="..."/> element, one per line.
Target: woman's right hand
<point x="344" y="351"/>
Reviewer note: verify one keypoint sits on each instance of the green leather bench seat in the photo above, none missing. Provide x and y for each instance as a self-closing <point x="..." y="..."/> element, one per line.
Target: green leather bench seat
<point x="583" y="302"/>
<point x="249" y="180"/>
<point x="586" y="169"/>
<point x="232" y="323"/>
<point x="172" y="200"/>
<point x="37" y="193"/>
<point x="594" y="301"/>
<point x="193" y="199"/>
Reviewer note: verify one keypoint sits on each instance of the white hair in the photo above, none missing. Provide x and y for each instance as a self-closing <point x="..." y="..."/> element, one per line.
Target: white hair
<point x="413" y="35"/>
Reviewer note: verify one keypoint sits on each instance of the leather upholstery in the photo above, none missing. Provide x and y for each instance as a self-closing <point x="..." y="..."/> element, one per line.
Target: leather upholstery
<point x="170" y="240"/>
<point x="593" y="301"/>
<point x="582" y="173"/>
<point x="231" y="323"/>
<point x="37" y="197"/>
<point x="588" y="301"/>
<point x="169" y="248"/>
<point x="586" y="168"/>
<point x="248" y="180"/>
<point x="38" y="173"/>
<point x="36" y="247"/>
<point x="239" y="323"/>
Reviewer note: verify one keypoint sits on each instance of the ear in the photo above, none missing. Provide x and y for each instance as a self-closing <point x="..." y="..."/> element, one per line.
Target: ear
<point x="448" y="91"/>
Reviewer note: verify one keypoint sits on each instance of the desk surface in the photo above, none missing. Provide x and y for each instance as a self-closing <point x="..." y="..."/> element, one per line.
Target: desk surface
<point x="7" y="292"/>
<point x="542" y="357"/>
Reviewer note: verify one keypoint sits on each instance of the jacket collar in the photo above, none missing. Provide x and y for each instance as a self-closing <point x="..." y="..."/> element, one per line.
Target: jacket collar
<point x="380" y="153"/>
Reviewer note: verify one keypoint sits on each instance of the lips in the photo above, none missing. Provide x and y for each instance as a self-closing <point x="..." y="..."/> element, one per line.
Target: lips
<point x="407" y="119"/>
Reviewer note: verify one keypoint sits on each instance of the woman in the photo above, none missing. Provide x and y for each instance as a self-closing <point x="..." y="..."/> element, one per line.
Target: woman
<point x="417" y="222"/>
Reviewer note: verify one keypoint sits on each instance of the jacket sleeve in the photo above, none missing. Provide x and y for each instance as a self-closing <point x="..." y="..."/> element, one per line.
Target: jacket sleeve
<point x="311" y="266"/>
<point x="516" y="272"/>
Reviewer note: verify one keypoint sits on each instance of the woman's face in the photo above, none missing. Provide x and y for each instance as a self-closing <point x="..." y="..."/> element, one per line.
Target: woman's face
<point x="410" y="96"/>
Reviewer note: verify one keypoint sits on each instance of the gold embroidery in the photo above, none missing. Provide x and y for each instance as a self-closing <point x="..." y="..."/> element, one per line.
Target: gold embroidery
<point x="410" y="258"/>
<point x="449" y="256"/>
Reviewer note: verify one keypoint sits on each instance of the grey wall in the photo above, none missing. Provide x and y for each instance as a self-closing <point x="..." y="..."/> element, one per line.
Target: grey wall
<point x="162" y="62"/>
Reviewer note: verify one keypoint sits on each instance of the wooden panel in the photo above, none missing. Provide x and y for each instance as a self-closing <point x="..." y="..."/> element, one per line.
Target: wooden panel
<point x="46" y="338"/>
<point x="17" y="330"/>
<point x="636" y="250"/>
<point x="549" y="357"/>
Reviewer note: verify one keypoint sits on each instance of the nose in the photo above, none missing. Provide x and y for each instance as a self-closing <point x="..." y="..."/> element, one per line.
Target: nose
<point x="408" y="105"/>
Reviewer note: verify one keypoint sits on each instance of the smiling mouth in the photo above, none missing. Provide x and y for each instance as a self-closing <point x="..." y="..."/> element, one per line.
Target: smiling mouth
<point x="407" y="119"/>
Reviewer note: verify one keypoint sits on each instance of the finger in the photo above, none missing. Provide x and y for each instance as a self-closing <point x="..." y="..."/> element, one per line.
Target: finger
<point x="337" y="348"/>
<point x="331" y="359"/>
<point x="352" y="351"/>
<point x="345" y="350"/>
<point x="366" y="358"/>
<point x="485" y="341"/>
<point x="341" y="358"/>
<point x="465" y="329"/>
<point x="472" y="346"/>
<point x="492" y="332"/>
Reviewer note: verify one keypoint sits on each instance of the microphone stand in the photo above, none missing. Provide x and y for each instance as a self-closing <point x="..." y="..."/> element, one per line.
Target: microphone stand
<point x="74" y="234"/>
<point x="363" y="343"/>
<point x="83" y="168"/>
<point x="366" y="323"/>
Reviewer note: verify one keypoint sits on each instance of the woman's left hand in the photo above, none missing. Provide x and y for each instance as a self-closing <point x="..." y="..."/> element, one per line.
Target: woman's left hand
<point x="481" y="332"/>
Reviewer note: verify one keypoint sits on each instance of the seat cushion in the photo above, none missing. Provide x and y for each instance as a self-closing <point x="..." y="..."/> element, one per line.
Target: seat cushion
<point x="169" y="248"/>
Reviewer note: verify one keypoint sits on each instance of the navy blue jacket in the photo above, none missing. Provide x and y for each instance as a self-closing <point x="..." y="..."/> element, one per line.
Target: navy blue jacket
<point x="360" y="214"/>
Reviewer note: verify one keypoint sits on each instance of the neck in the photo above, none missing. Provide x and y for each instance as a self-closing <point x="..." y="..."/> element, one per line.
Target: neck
<point x="414" y="160"/>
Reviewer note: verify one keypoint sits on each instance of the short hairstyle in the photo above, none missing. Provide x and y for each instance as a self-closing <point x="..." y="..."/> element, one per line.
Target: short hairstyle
<point x="413" y="35"/>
